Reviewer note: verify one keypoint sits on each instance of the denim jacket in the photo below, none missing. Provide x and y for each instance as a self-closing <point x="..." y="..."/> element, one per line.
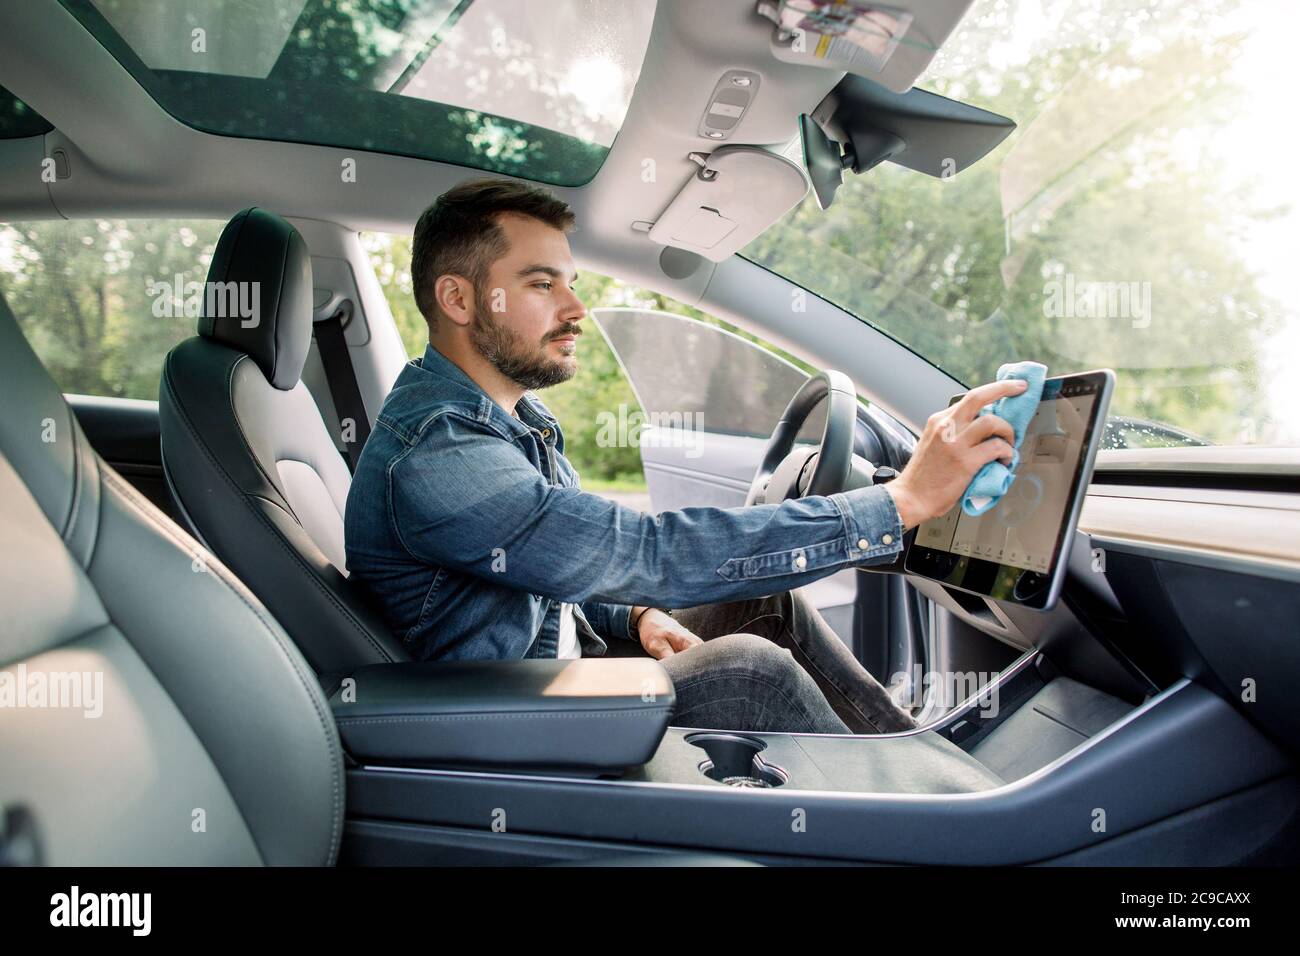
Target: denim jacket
<point x="468" y="529"/>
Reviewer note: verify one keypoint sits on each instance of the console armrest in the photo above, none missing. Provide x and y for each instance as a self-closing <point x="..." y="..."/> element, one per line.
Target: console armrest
<point x="585" y="714"/>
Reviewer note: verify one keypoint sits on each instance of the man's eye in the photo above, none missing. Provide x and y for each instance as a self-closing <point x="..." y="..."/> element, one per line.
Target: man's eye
<point x="543" y="285"/>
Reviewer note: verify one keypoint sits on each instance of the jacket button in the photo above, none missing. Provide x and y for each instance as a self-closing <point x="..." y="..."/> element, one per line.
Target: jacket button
<point x="863" y="544"/>
<point x="887" y="539"/>
<point x="801" y="562"/>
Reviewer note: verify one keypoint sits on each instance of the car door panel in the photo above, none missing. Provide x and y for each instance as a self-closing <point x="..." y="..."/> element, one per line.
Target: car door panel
<point x="700" y="468"/>
<point x="706" y="417"/>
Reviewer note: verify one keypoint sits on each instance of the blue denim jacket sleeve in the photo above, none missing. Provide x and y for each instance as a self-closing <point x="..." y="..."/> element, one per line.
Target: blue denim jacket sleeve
<point x="609" y="620"/>
<point x="462" y="497"/>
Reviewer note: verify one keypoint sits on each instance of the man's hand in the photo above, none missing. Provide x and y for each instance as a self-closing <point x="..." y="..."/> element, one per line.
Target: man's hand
<point x="661" y="636"/>
<point x="955" y="444"/>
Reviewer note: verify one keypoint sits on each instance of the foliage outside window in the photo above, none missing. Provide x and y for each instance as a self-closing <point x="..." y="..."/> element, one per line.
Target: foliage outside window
<point x="513" y="86"/>
<point x="1139" y="217"/>
<point x="599" y="386"/>
<point x="102" y="301"/>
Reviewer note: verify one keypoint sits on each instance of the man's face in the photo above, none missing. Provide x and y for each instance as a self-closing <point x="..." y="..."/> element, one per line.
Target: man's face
<point x="526" y="317"/>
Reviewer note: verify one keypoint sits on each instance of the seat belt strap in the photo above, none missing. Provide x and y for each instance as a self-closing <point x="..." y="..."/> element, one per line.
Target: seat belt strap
<point x="342" y="380"/>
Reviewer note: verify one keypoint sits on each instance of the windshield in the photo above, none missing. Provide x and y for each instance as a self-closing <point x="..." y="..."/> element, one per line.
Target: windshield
<point x="536" y="90"/>
<point x="1142" y="217"/>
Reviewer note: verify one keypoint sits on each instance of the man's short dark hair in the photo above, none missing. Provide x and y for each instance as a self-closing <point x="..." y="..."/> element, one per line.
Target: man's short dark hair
<point x="460" y="234"/>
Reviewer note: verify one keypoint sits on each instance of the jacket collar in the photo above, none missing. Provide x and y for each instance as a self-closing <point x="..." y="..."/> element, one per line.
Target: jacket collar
<point x="532" y="413"/>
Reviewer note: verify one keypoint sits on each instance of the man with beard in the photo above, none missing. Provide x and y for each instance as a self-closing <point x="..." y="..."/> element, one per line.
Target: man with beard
<point x="466" y="524"/>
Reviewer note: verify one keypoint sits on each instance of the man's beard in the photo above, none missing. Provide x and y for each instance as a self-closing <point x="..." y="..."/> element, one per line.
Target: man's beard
<point x="525" y="365"/>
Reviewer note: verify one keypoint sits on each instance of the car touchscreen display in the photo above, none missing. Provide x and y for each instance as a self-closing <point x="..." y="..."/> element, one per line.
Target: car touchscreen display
<point x="1011" y="552"/>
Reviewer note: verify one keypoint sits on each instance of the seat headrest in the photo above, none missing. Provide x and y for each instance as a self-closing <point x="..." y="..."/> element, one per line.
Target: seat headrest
<point x="259" y="295"/>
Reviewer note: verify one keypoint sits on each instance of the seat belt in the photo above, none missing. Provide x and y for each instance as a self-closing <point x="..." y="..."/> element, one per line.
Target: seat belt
<point x="342" y="379"/>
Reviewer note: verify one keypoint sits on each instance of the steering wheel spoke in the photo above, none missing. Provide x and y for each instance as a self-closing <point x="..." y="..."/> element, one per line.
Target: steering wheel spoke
<point x="781" y="473"/>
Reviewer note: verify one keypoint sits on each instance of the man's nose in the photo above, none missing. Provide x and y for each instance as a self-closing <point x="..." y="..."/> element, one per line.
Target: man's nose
<point x="574" y="310"/>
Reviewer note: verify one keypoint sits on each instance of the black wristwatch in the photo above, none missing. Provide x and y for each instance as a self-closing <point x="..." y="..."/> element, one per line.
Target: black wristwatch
<point x="883" y="475"/>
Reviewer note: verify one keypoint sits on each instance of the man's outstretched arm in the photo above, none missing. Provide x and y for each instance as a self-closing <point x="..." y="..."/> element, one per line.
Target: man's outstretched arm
<point x="473" y="502"/>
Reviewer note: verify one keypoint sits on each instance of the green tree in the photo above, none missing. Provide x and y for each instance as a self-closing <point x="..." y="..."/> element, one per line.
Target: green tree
<point x="1097" y="184"/>
<point x="600" y="386"/>
<point x="86" y="294"/>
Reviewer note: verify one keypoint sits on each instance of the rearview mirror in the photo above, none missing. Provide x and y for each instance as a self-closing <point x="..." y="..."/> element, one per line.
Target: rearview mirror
<point x="824" y="160"/>
<point x="917" y="129"/>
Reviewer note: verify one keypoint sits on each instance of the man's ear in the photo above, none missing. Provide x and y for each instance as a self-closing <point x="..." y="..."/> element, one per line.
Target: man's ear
<point x="455" y="297"/>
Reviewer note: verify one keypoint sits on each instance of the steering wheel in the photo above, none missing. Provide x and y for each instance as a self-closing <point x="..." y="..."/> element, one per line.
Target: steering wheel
<point x="786" y="472"/>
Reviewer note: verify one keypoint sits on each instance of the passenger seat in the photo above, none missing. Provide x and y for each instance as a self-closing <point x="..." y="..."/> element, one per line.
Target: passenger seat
<point x="189" y="730"/>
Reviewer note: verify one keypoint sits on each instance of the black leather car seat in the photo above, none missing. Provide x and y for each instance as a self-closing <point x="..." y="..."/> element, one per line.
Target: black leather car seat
<point x="249" y="458"/>
<point x="213" y="743"/>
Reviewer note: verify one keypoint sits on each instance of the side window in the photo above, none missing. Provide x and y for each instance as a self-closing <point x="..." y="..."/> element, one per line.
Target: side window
<point x="656" y="357"/>
<point x="688" y="373"/>
<point x="102" y="301"/>
<point x="390" y="255"/>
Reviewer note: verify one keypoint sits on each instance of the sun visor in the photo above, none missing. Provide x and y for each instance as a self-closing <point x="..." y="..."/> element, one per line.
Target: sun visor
<point x="889" y="42"/>
<point x="737" y="193"/>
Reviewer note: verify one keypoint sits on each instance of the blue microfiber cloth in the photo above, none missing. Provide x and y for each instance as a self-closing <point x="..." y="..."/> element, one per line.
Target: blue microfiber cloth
<point x="993" y="480"/>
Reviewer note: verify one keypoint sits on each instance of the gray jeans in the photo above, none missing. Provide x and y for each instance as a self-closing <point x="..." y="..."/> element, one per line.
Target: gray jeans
<point x="773" y="664"/>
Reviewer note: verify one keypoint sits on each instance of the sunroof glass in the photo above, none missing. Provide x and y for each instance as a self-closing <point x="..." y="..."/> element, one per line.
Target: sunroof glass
<point x="533" y="89"/>
<point x="18" y="120"/>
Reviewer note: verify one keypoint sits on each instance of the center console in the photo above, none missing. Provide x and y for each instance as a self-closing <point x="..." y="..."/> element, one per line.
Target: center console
<point x="1039" y="766"/>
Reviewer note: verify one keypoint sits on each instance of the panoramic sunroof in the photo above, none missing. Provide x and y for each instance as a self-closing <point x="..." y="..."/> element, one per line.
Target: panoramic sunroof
<point x="533" y="89"/>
